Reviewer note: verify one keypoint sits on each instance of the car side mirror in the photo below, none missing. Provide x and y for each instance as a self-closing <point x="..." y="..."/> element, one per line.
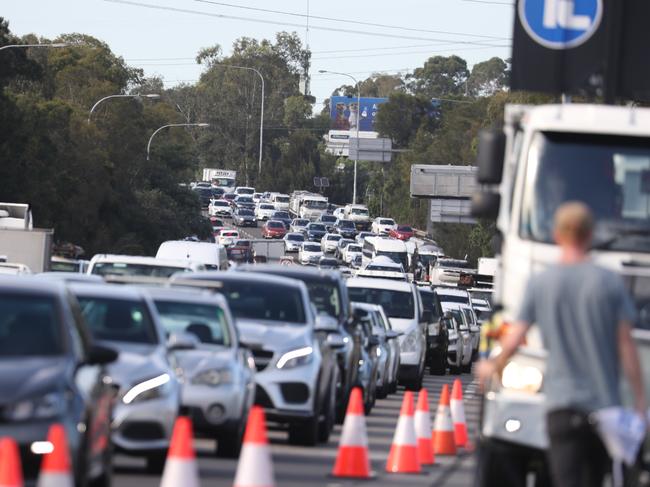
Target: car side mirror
<point x="100" y="355"/>
<point x="486" y="204"/>
<point x="490" y="155"/>
<point x="182" y="341"/>
<point x="335" y="341"/>
<point x="327" y="324"/>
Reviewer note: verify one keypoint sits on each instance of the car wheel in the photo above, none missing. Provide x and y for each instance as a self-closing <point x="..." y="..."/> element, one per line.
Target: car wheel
<point x="371" y="397"/>
<point x="156" y="462"/>
<point x="304" y="433"/>
<point x="329" y="415"/>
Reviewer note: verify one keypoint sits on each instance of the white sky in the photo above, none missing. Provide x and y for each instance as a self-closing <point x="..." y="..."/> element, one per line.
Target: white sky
<point x="164" y="43"/>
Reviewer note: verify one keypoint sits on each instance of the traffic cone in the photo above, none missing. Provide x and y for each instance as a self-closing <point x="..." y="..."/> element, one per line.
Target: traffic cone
<point x="423" y="429"/>
<point x="11" y="474"/>
<point x="458" y="415"/>
<point x="403" y="457"/>
<point x="55" y="468"/>
<point x="443" y="430"/>
<point x="181" y="467"/>
<point x="352" y="458"/>
<point x="255" y="468"/>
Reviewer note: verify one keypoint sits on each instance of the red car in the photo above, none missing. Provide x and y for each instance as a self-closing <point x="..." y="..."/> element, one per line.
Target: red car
<point x="274" y="229"/>
<point x="402" y="232"/>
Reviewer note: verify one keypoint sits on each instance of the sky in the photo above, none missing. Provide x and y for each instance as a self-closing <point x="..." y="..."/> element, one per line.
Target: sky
<point x="165" y="42"/>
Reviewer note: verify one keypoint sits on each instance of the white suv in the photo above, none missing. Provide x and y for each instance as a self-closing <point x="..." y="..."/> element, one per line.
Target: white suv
<point x="383" y="226"/>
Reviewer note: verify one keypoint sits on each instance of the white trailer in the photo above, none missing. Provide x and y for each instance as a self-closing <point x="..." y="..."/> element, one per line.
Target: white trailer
<point x="310" y="206"/>
<point x="221" y="178"/>
<point x="20" y="242"/>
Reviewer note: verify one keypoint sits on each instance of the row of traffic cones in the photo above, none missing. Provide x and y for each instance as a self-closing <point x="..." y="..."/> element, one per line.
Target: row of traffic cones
<point x="414" y="445"/>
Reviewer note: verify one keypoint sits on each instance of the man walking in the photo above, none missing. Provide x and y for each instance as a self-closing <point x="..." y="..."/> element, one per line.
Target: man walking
<point x="585" y="317"/>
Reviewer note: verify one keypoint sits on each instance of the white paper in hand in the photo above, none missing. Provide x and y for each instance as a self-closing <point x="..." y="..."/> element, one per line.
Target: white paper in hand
<point x="622" y="431"/>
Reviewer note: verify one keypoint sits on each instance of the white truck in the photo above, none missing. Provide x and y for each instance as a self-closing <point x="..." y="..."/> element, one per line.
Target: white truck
<point x="20" y="242"/>
<point x="221" y="178"/>
<point x="311" y="206"/>
<point x="359" y="214"/>
<point x="544" y="156"/>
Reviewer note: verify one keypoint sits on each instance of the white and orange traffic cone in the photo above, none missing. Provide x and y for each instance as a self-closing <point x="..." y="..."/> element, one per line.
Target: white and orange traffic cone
<point x="11" y="473"/>
<point x="443" y="429"/>
<point x="423" y="429"/>
<point x="403" y="457"/>
<point x="55" y="468"/>
<point x="352" y="458"/>
<point x="181" y="467"/>
<point x="458" y="415"/>
<point x="255" y="468"/>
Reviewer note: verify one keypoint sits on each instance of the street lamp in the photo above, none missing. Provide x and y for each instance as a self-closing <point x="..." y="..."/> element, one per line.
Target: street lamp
<point x="24" y="46"/>
<point x="256" y="71"/>
<point x="354" y="190"/>
<point x="173" y="125"/>
<point x="153" y="96"/>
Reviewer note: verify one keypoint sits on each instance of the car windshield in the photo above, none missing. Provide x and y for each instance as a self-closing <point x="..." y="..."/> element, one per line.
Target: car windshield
<point x="315" y="205"/>
<point x="386" y="221"/>
<point x="275" y="225"/>
<point x="282" y="199"/>
<point x="120" y="320"/>
<point x="328" y="218"/>
<point x="611" y="174"/>
<point x="244" y="199"/>
<point x="59" y="266"/>
<point x="243" y="243"/>
<point x="326" y="297"/>
<point x="245" y="212"/>
<point x="300" y="223"/>
<point x="309" y="247"/>
<point x="403" y="228"/>
<point x="267" y="207"/>
<point x="335" y="238"/>
<point x="29" y="326"/>
<point x="281" y="214"/>
<point x="224" y="182"/>
<point x="346" y="224"/>
<point x="359" y="211"/>
<point x="127" y="269"/>
<point x="317" y="227"/>
<point x="382" y="268"/>
<point x="263" y="301"/>
<point x="397" y="304"/>
<point x="353" y="248"/>
<point x="397" y="257"/>
<point x="245" y="191"/>
<point x="206" y="321"/>
<point x="220" y="203"/>
<point x="454" y="264"/>
<point x="296" y="238"/>
<point x="450" y="298"/>
<point x="229" y="196"/>
<point x="333" y="263"/>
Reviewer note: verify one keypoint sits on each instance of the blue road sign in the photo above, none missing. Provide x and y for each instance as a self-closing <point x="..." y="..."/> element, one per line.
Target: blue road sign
<point x="561" y="24"/>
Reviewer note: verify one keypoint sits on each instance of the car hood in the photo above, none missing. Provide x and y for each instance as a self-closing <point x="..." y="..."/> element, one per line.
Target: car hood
<point x="136" y="362"/>
<point x="200" y="359"/>
<point x="30" y="376"/>
<point x="271" y="335"/>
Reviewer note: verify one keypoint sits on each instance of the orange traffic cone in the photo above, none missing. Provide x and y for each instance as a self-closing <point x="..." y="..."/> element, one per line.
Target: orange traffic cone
<point x="181" y="467"/>
<point x="403" y="457"/>
<point x="423" y="429"/>
<point x="458" y="415"/>
<point x="11" y="474"/>
<point x="255" y="468"/>
<point x="352" y="459"/>
<point x="443" y="430"/>
<point x="55" y="468"/>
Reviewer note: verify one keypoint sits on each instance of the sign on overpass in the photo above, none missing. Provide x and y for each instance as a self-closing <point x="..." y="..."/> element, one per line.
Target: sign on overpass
<point x="374" y="150"/>
<point x="442" y="181"/>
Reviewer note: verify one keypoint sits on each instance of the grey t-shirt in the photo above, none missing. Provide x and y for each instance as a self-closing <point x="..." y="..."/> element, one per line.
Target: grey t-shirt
<point x="578" y="309"/>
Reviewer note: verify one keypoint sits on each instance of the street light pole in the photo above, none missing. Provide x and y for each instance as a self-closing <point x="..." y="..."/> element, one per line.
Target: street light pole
<point x="151" y="96"/>
<point x="25" y="46"/>
<point x="172" y="125"/>
<point x="256" y="71"/>
<point x="354" y="187"/>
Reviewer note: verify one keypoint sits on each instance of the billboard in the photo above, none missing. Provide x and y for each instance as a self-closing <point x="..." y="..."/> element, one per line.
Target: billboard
<point x="343" y="113"/>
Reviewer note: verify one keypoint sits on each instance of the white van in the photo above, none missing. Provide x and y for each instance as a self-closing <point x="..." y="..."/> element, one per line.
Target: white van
<point x="403" y="306"/>
<point x="280" y="201"/>
<point x="213" y="256"/>
<point x="135" y="265"/>
<point x="394" y="249"/>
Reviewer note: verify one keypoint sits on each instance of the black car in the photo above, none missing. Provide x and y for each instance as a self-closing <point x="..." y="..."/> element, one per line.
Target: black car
<point x="284" y="217"/>
<point x="244" y="217"/>
<point x="345" y="228"/>
<point x="314" y="232"/>
<point x="328" y="263"/>
<point x="437" y="333"/>
<point x="51" y="373"/>
<point x="328" y="221"/>
<point x="244" y="201"/>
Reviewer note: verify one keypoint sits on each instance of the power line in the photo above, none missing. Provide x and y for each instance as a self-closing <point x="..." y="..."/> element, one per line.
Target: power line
<point x="347" y="21"/>
<point x="289" y="24"/>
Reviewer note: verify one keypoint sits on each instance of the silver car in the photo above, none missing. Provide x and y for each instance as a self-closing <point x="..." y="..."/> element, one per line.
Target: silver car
<point x="392" y="348"/>
<point x="216" y="374"/>
<point x="148" y="398"/>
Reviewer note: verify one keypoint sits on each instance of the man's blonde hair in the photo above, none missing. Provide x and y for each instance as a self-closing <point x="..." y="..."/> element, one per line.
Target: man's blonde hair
<point x="575" y="222"/>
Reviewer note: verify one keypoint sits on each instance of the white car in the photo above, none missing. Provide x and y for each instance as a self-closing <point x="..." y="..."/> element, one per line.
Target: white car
<point x="309" y="253"/>
<point x="220" y="208"/>
<point x="339" y="213"/>
<point x="298" y="224"/>
<point x="383" y="226"/>
<point x="459" y="350"/>
<point x="293" y="242"/>
<point x="383" y="267"/>
<point x="329" y="241"/>
<point x="244" y="190"/>
<point x="349" y="253"/>
<point x="257" y="197"/>
<point x="264" y="211"/>
<point x="361" y="237"/>
<point x="228" y="237"/>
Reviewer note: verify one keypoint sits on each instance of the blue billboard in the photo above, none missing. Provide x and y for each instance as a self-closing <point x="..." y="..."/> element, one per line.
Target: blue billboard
<point x="343" y="113"/>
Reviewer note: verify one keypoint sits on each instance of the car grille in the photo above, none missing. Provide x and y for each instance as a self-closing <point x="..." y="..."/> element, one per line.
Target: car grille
<point x="143" y="430"/>
<point x="262" y="358"/>
<point x="262" y="398"/>
<point x="294" y="392"/>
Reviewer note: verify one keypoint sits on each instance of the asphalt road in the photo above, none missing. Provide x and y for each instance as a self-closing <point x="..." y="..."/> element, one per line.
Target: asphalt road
<point x="301" y="466"/>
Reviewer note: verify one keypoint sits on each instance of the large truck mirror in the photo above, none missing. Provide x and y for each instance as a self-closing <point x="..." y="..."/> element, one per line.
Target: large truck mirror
<point x="491" y="152"/>
<point x="486" y="205"/>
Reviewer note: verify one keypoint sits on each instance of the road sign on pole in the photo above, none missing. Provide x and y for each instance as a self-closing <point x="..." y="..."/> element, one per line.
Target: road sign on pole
<point x="374" y="150"/>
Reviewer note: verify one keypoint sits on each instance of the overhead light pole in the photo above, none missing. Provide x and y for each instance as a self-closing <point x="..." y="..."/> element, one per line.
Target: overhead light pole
<point x="25" y="46"/>
<point x="172" y="125"/>
<point x="153" y="96"/>
<point x="354" y="188"/>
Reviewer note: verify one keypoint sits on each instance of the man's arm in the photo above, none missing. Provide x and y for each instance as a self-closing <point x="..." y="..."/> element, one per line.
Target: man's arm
<point x="631" y="368"/>
<point x="487" y="368"/>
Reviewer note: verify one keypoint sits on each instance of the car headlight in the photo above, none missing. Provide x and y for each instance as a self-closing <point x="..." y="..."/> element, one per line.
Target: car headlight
<point x="149" y="389"/>
<point x="45" y="407"/>
<point x="410" y="342"/>
<point x="213" y="377"/>
<point x="295" y="358"/>
<point x="524" y="378"/>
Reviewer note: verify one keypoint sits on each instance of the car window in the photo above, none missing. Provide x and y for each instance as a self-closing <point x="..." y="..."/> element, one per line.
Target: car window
<point x="297" y="238"/>
<point x="125" y="269"/>
<point x="29" y="326"/>
<point x="120" y="320"/>
<point x="353" y="248"/>
<point x="206" y="321"/>
<point x="397" y="304"/>
<point x="311" y="247"/>
<point x="261" y="301"/>
<point x="318" y="227"/>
